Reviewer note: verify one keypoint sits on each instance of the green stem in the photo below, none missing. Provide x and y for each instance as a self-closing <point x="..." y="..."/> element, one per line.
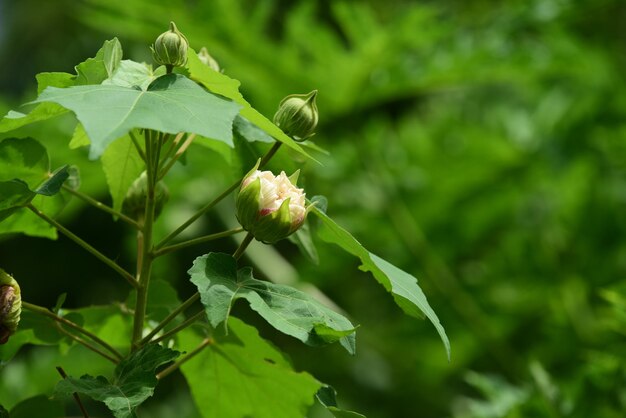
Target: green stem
<point x="180" y="327"/>
<point x="45" y="312"/>
<point x="264" y="160"/>
<point x="242" y="247"/>
<point x="200" y="240"/>
<point x="137" y="146"/>
<point x="186" y="304"/>
<point x="102" y="206"/>
<point x="126" y="275"/>
<point x="146" y="249"/>
<point x="85" y="343"/>
<point x="176" y="156"/>
<point x="184" y="359"/>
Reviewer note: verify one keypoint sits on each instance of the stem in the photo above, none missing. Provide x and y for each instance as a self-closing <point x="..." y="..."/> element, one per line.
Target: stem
<point x="75" y="395"/>
<point x="43" y="311"/>
<point x="126" y="275"/>
<point x="172" y="147"/>
<point x="186" y="304"/>
<point x="85" y="343"/>
<point x="146" y="249"/>
<point x="264" y="160"/>
<point x="180" y="327"/>
<point x="183" y="360"/>
<point x="242" y="247"/>
<point x="200" y="240"/>
<point x="137" y="146"/>
<point x="102" y="206"/>
<point x="176" y="156"/>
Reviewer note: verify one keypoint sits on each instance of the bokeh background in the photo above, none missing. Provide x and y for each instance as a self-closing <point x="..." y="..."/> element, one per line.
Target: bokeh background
<point x="478" y="145"/>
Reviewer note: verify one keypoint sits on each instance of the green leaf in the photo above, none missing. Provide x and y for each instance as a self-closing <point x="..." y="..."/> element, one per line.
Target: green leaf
<point x="3" y="412"/>
<point x="250" y="132"/>
<point x="33" y="329"/>
<point x="134" y="74"/>
<point x="97" y="69"/>
<point x="39" y="406"/>
<point x="172" y="104"/>
<point x="404" y="288"/>
<point x="221" y="84"/>
<point x="53" y="185"/>
<point x="122" y="165"/>
<point x="92" y="71"/>
<point x="134" y="381"/>
<point x="242" y="375"/>
<point x="25" y="159"/>
<point x="302" y="238"/>
<point x="14" y="195"/>
<point x="327" y="396"/>
<point x="288" y="310"/>
<point x="79" y="137"/>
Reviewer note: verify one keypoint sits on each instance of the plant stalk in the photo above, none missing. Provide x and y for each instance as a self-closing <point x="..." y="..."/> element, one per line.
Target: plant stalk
<point x="183" y="360"/>
<point x="186" y="304"/>
<point x="102" y="206"/>
<point x="126" y="275"/>
<point x="200" y="240"/>
<point x="46" y="312"/>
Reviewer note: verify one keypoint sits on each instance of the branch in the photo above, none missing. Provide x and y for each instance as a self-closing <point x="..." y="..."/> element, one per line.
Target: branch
<point x="200" y="240"/>
<point x="126" y="275"/>
<point x="183" y="360"/>
<point x="186" y="304"/>
<point x="75" y="394"/>
<point x="102" y="206"/>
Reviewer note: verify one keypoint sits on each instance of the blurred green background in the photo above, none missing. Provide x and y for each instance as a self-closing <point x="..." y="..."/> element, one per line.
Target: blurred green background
<point x="478" y="145"/>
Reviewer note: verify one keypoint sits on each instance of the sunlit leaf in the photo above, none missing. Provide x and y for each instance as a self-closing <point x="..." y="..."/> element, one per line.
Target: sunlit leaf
<point x="404" y="288"/>
<point x="222" y="84"/>
<point x="327" y="396"/>
<point x="243" y="363"/>
<point x="133" y="382"/>
<point x="172" y="104"/>
<point x="122" y="165"/>
<point x="287" y="309"/>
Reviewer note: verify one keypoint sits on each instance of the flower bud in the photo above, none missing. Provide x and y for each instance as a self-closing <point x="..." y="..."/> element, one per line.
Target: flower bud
<point x="10" y="306"/>
<point x="270" y="207"/>
<point x="297" y="115"/>
<point x="208" y="60"/>
<point x="170" y="48"/>
<point x="135" y="201"/>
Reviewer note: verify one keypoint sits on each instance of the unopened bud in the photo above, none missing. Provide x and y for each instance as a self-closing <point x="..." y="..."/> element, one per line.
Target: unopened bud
<point x="135" y="200"/>
<point x="270" y="207"/>
<point x="170" y="48"/>
<point x="208" y="60"/>
<point x="10" y="306"/>
<point x="297" y="115"/>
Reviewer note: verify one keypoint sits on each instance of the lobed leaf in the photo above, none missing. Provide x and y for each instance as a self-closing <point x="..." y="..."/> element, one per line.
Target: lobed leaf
<point x="404" y="288"/>
<point x="222" y="84"/>
<point x="287" y="309"/>
<point x="171" y="104"/>
<point x="134" y="381"/>
<point x="242" y="375"/>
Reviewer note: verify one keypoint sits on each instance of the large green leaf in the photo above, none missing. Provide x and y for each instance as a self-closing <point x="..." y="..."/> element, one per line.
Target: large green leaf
<point x="134" y="74"/>
<point x="172" y="104"/>
<point x="134" y="381"/>
<point x="404" y="288"/>
<point x="242" y="375"/>
<point x="24" y="174"/>
<point x="122" y="165"/>
<point x="92" y="71"/>
<point x="228" y="87"/>
<point x="287" y="309"/>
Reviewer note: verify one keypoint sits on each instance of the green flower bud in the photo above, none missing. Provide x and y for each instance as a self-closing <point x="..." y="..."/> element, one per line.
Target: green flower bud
<point x="10" y="306"/>
<point x="135" y="201"/>
<point x="208" y="60"/>
<point x="270" y="207"/>
<point x="297" y="115"/>
<point x="170" y="48"/>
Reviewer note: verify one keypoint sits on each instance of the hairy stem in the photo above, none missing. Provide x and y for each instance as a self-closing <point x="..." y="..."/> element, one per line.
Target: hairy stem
<point x="184" y="359"/>
<point x="126" y="275"/>
<point x="46" y="312"/>
<point x="85" y="343"/>
<point x="200" y="240"/>
<point x="242" y="247"/>
<point x="102" y="206"/>
<point x="264" y="160"/>
<point x="75" y="395"/>
<point x="152" y="154"/>
<point x="186" y="304"/>
<point x="189" y="321"/>
<point x="176" y="156"/>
